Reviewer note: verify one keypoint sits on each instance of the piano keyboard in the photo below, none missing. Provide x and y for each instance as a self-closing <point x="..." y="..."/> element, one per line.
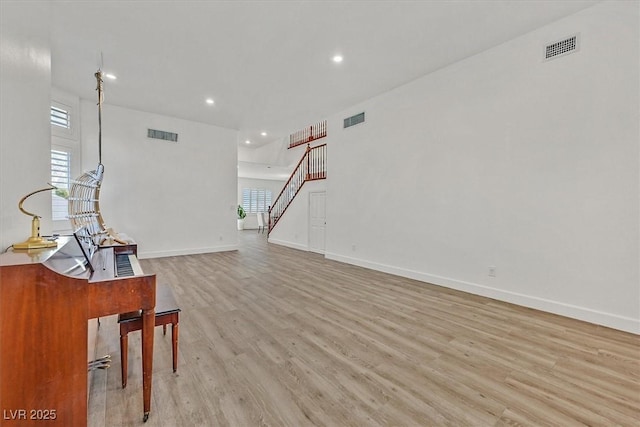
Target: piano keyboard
<point x="127" y="265"/>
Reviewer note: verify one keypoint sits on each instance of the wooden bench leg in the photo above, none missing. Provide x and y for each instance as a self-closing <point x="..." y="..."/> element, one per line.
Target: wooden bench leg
<point x="124" y="356"/>
<point x="174" y="342"/>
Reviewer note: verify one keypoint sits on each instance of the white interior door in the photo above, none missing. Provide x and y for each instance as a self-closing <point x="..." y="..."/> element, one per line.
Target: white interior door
<point x="317" y="221"/>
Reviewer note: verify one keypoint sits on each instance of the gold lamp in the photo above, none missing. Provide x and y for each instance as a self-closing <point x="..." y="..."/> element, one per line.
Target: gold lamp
<point x="35" y="241"/>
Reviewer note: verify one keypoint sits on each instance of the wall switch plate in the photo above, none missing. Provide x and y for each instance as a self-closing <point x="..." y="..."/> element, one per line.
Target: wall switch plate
<point x="492" y="271"/>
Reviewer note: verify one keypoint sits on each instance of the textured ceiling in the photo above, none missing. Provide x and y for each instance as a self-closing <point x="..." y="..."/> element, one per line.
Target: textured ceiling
<point x="267" y="64"/>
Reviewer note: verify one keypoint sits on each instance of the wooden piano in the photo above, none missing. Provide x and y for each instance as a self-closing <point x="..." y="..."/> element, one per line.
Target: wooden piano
<point x="47" y="297"/>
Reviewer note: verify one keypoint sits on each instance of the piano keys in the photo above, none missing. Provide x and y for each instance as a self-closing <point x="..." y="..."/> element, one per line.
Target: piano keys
<point x="127" y="265"/>
<point x="47" y="297"/>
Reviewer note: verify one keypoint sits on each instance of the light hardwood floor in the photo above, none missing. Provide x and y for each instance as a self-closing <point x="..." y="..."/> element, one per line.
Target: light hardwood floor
<point x="272" y="336"/>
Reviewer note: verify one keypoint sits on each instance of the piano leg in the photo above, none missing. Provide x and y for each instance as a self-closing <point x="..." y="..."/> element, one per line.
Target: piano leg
<point x="148" y="324"/>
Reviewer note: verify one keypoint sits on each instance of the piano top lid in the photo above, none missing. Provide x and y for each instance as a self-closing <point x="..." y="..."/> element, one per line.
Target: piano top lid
<point x="66" y="258"/>
<point x="32" y="256"/>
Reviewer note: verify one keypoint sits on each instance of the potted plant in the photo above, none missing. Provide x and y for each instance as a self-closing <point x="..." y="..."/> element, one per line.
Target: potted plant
<point x="241" y="215"/>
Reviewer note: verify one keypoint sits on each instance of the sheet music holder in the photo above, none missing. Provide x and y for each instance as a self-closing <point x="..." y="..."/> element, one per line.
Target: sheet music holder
<point x="74" y="258"/>
<point x="86" y="244"/>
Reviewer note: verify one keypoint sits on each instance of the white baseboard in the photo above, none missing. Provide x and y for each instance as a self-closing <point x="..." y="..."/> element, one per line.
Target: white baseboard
<point x="288" y="244"/>
<point x="622" y="323"/>
<point x="187" y="251"/>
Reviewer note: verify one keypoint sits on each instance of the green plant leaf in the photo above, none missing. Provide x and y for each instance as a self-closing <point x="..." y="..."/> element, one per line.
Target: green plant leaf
<point x="241" y="213"/>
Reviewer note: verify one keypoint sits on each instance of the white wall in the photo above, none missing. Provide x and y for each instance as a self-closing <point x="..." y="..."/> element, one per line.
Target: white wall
<point x="508" y="161"/>
<point x="172" y="198"/>
<point x="275" y="153"/>
<point x="273" y="161"/>
<point x="292" y="229"/>
<point x="25" y="135"/>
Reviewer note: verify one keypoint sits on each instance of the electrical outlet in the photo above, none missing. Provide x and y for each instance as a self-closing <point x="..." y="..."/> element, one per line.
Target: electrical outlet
<point x="492" y="271"/>
<point x="353" y="248"/>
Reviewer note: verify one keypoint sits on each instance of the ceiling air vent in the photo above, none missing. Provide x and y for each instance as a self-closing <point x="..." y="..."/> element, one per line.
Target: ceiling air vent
<point x="561" y="48"/>
<point x="354" y="120"/>
<point x="160" y="134"/>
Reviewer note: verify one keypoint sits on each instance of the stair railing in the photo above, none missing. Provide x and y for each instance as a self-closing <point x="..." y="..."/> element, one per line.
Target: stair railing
<point x="312" y="166"/>
<point x="308" y="134"/>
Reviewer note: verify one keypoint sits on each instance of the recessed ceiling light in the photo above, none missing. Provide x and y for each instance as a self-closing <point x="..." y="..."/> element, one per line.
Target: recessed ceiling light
<point x="247" y="142"/>
<point x="338" y="59"/>
<point x="263" y="133"/>
<point x="209" y="101"/>
<point x="110" y="76"/>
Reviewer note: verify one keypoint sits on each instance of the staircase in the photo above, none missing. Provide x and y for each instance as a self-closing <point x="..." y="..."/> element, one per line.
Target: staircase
<point x="312" y="166"/>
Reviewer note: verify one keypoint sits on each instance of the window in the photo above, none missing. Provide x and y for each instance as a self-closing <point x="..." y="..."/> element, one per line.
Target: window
<point x="60" y="177"/>
<point x="60" y="117"/>
<point x="63" y="120"/>
<point x="255" y="200"/>
<point x="65" y="154"/>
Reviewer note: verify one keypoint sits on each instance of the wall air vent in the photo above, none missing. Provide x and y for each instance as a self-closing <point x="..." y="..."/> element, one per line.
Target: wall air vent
<point x="561" y="48"/>
<point x="354" y="120"/>
<point x="160" y="134"/>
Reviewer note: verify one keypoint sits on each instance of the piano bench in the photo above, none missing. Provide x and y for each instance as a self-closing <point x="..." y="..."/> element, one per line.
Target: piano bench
<point x="166" y="312"/>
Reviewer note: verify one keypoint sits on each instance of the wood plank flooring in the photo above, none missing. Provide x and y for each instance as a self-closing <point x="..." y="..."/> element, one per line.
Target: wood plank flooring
<point x="272" y="336"/>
